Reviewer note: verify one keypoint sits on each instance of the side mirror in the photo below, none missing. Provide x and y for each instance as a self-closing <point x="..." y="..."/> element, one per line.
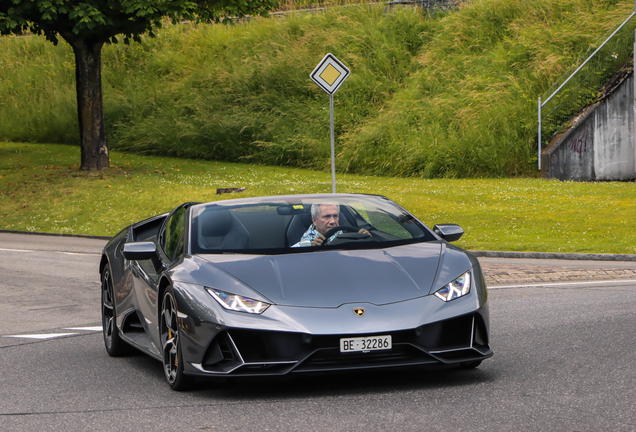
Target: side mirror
<point x="449" y="232"/>
<point x="138" y="251"/>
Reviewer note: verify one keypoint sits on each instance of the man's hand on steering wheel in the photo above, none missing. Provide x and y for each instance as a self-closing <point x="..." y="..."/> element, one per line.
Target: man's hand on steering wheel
<point x="318" y="240"/>
<point x="334" y="230"/>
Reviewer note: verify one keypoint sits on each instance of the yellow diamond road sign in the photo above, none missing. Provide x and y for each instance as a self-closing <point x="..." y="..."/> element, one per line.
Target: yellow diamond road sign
<point x="330" y="74"/>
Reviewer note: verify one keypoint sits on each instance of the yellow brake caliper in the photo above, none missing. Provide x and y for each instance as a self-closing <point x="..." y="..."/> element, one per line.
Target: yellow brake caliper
<point x="170" y="337"/>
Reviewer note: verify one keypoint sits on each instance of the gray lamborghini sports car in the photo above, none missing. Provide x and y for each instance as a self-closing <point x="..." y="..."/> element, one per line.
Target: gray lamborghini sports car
<point x="242" y="288"/>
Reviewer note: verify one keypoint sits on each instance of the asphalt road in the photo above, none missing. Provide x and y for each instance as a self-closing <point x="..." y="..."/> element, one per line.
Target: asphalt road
<point x="48" y="282"/>
<point x="564" y="361"/>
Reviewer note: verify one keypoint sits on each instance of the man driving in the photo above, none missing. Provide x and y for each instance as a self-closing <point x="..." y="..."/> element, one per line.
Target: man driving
<point x="324" y="218"/>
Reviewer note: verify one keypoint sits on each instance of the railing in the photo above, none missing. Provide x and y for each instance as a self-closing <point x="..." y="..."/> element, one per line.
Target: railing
<point x="581" y="87"/>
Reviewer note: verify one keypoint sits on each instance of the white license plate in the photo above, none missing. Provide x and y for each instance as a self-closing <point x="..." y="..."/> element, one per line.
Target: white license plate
<point x="364" y="344"/>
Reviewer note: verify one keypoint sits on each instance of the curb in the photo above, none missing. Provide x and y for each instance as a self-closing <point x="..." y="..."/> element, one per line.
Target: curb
<point x="57" y="234"/>
<point x="552" y="255"/>
<point x="484" y="254"/>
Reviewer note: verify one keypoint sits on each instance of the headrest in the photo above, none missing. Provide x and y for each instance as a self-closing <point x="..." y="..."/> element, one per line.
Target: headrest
<point x="306" y="219"/>
<point x="215" y="223"/>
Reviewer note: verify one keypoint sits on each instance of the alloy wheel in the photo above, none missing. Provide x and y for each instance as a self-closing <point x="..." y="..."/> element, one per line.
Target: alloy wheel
<point x="108" y="312"/>
<point x="170" y="338"/>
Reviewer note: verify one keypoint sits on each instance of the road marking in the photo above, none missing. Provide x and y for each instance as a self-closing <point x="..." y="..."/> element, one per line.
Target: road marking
<point x="42" y="336"/>
<point x="78" y="253"/>
<point x="54" y="251"/>
<point x="613" y="281"/>
<point x="57" y="335"/>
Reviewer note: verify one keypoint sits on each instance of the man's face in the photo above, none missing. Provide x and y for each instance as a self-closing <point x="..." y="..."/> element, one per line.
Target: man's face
<point x="327" y="218"/>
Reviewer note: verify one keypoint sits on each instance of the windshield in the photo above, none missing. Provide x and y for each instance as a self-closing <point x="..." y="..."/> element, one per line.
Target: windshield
<point x="295" y="225"/>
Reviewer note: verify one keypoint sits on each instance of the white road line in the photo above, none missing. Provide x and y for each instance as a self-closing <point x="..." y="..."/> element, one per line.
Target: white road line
<point x="54" y="251"/>
<point x="41" y="336"/>
<point x="613" y="281"/>
<point x="97" y="328"/>
<point x="78" y="253"/>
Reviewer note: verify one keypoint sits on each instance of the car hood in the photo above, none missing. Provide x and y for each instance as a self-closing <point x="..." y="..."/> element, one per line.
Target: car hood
<point x="332" y="278"/>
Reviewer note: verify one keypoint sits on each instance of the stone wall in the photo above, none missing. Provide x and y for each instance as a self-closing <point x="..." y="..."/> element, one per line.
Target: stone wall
<point x="600" y="144"/>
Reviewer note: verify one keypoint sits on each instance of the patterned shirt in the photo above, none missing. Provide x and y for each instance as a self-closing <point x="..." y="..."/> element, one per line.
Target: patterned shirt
<point x="310" y="235"/>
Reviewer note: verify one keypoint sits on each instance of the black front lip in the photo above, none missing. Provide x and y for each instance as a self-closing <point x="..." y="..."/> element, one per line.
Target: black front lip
<point x="240" y="352"/>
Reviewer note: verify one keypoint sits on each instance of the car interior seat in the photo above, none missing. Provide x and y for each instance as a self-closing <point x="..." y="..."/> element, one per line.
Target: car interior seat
<point x="220" y="229"/>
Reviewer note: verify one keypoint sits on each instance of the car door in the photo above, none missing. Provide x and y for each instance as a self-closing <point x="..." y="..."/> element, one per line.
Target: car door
<point x="146" y="273"/>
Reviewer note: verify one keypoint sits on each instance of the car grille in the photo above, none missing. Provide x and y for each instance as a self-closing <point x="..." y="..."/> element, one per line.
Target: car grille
<point x="333" y="359"/>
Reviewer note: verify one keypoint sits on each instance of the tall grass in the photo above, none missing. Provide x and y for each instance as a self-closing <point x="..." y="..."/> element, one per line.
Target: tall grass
<point x="239" y="93"/>
<point x="445" y="95"/>
<point x="243" y="93"/>
<point x="471" y="108"/>
<point x="37" y="91"/>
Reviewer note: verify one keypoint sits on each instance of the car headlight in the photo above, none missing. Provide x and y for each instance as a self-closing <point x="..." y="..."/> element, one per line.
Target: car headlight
<point x="457" y="288"/>
<point x="238" y="303"/>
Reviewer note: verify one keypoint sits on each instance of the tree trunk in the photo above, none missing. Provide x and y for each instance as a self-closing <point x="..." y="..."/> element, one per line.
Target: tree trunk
<point x="90" y="108"/>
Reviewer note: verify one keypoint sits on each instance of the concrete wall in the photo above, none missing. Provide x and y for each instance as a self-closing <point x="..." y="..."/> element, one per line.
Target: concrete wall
<point x="600" y="145"/>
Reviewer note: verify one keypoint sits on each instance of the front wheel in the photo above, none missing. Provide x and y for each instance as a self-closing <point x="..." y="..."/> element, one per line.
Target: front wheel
<point x="170" y="345"/>
<point x="115" y="346"/>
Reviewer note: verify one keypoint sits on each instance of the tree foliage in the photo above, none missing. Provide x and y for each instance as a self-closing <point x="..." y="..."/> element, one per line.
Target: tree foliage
<point x="104" y="20"/>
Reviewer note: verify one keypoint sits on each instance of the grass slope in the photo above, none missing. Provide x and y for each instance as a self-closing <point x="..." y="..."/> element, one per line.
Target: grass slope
<point x="239" y="93"/>
<point x="471" y="108"/>
<point x="450" y="95"/>
<point x="41" y="190"/>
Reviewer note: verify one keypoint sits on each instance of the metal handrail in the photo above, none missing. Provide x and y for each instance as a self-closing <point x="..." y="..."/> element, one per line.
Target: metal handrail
<point x="540" y="105"/>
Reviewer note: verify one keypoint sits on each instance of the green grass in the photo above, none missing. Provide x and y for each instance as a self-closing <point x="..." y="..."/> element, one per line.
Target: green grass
<point x="42" y="190"/>
<point x="448" y="95"/>
<point x="471" y="107"/>
<point x="237" y="93"/>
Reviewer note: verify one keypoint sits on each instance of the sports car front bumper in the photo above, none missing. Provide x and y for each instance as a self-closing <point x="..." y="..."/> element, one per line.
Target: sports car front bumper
<point x="285" y="339"/>
<point x="254" y="353"/>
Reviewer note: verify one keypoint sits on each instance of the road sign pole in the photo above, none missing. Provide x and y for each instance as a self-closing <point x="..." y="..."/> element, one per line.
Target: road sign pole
<point x="329" y="75"/>
<point x="333" y="151"/>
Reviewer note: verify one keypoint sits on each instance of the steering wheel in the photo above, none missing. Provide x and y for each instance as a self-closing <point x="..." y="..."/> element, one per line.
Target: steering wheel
<point x="335" y="229"/>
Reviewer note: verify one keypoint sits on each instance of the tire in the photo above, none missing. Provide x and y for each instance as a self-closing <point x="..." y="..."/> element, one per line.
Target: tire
<point x="115" y="346"/>
<point x="170" y="344"/>
<point x="470" y="365"/>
